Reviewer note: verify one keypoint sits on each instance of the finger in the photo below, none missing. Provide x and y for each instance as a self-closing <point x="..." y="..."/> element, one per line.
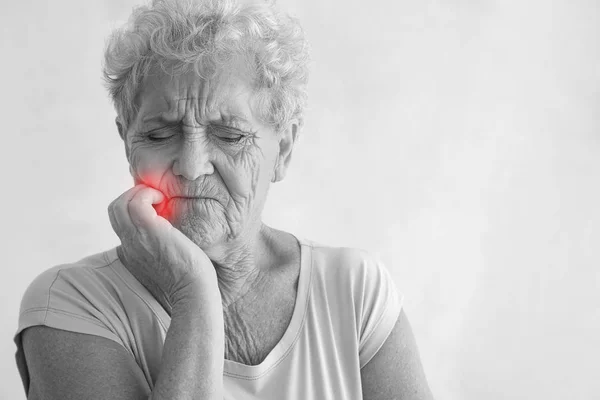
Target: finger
<point x="118" y="212"/>
<point x="140" y="208"/>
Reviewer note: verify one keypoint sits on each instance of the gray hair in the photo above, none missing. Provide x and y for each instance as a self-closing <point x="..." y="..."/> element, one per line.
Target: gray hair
<point x="178" y="35"/>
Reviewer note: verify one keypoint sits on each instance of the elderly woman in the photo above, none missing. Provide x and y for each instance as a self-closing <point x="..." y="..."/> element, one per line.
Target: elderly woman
<point x="202" y="300"/>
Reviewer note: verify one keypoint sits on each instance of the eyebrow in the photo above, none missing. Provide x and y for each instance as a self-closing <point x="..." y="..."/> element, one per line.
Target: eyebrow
<point x="223" y="117"/>
<point x="234" y="117"/>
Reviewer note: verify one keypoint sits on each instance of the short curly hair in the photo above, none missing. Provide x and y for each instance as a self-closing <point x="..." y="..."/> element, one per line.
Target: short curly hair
<point x="179" y="35"/>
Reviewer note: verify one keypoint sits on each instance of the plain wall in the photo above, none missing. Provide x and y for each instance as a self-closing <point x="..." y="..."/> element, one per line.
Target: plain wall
<point x="459" y="140"/>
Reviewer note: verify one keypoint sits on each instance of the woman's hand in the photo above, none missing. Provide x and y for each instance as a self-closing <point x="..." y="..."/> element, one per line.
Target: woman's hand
<point x="162" y="258"/>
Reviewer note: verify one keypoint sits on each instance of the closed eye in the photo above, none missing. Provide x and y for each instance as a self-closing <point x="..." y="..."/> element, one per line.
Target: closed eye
<point x="161" y="134"/>
<point x="227" y="134"/>
<point x="153" y="138"/>
<point x="231" y="139"/>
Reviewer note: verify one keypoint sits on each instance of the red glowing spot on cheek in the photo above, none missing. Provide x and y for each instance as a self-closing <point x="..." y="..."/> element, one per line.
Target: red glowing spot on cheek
<point x="155" y="181"/>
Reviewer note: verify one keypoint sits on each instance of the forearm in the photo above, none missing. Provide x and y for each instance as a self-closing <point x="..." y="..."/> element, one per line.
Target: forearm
<point x="192" y="359"/>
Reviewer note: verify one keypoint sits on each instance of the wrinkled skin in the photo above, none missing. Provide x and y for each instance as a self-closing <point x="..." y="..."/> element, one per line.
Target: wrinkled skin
<point x="198" y="138"/>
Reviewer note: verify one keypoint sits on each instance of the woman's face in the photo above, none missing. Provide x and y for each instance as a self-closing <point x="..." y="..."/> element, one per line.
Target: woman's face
<point x="201" y="144"/>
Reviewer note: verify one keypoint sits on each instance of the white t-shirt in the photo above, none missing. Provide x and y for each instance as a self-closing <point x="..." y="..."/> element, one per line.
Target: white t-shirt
<point x="346" y="307"/>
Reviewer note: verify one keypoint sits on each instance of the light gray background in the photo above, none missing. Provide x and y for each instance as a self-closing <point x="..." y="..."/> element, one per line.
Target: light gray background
<point x="456" y="139"/>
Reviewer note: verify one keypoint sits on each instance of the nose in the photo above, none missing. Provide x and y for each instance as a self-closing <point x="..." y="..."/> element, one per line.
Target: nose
<point x="193" y="159"/>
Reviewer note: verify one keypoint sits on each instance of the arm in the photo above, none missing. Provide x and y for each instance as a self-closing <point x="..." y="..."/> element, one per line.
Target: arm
<point x="67" y="365"/>
<point x="395" y="372"/>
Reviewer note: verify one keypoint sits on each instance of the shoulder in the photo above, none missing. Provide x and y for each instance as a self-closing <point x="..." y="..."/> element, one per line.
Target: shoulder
<point x="86" y="296"/>
<point x="352" y="265"/>
<point x="96" y="296"/>
<point x="355" y="284"/>
<point x="352" y="275"/>
<point x="85" y="278"/>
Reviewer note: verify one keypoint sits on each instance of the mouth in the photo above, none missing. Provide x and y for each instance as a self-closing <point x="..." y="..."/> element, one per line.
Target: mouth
<point x="167" y="208"/>
<point x="190" y="198"/>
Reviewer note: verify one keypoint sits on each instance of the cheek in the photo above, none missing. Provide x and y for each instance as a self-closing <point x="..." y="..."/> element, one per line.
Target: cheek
<point x="244" y="173"/>
<point x="149" y="166"/>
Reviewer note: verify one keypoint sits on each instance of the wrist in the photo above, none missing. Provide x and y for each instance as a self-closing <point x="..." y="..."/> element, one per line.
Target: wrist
<point x="197" y="294"/>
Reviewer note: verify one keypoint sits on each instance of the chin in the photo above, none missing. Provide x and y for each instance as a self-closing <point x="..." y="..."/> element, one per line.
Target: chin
<point x="205" y="231"/>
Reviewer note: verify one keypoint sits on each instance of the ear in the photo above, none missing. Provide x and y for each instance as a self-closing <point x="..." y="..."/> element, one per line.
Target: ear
<point x="120" y="128"/>
<point x="287" y="139"/>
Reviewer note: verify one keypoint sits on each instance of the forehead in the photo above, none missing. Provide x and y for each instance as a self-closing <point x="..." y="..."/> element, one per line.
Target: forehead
<point x="229" y="92"/>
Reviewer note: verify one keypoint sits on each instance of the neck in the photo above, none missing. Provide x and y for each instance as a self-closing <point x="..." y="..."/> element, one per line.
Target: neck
<point x="242" y="266"/>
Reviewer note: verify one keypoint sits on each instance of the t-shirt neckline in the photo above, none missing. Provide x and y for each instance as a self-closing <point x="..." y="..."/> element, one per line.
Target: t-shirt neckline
<point x="282" y="348"/>
<point x="291" y="334"/>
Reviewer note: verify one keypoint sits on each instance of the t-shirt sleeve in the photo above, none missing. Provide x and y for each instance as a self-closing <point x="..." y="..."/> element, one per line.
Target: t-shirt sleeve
<point x="70" y="300"/>
<point x="380" y="308"/>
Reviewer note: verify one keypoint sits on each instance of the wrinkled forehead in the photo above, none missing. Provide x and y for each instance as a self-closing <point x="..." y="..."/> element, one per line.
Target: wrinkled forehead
<point x="230" y="91"/>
